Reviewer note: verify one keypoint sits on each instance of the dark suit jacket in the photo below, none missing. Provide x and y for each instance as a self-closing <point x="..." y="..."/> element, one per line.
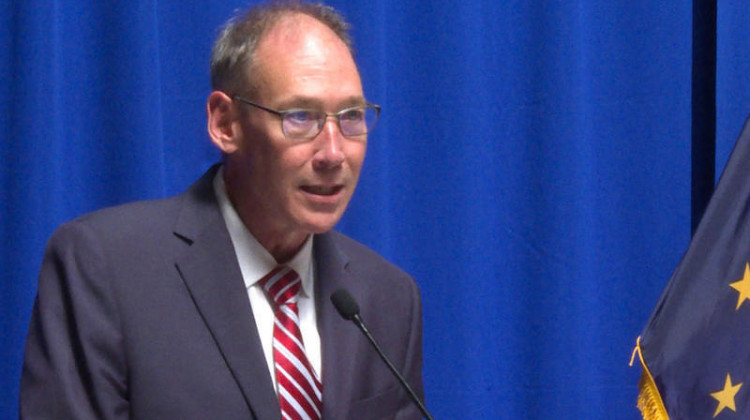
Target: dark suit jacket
<point x="142" y="313"/>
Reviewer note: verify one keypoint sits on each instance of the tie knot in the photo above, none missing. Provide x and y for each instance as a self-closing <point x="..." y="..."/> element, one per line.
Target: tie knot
<point x="282" y="284"/>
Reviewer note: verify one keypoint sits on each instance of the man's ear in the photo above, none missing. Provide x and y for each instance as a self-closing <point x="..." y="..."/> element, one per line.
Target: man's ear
<point x="222" y="116"/>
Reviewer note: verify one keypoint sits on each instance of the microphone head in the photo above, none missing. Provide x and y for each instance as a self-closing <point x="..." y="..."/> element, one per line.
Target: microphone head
<point x="345" y="304"/>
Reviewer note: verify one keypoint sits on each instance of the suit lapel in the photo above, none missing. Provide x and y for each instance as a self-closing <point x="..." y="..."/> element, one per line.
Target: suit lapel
<point x="339" y="337"/>
<point x="211" y="273"/>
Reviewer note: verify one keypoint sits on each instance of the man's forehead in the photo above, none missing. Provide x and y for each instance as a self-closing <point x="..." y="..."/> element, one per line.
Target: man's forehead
<point x="301" y="48"/>
<point x="297" y="30"/>
<point x="301" y="57"/>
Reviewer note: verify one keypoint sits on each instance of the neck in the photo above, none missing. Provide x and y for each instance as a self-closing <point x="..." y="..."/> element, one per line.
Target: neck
<point x="282" y="245"/>
<point x="282" y="252"/>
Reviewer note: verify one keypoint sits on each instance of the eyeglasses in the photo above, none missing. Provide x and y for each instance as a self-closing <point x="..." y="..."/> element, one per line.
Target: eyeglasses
<point x="307" y="123"/>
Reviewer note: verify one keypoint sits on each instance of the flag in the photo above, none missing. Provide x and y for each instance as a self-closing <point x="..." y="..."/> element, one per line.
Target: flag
<point x="695" y="348"/>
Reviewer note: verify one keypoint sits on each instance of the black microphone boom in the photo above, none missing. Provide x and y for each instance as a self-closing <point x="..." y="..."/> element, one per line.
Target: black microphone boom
<point x="349" y="310"/>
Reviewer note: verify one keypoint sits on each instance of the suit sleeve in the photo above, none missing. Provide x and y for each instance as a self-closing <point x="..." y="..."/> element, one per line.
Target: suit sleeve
<point x="413" y="367"/>
<point x="74" y="361"/>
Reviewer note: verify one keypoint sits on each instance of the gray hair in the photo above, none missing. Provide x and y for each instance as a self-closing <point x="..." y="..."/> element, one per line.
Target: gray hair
<point x="233" y="52"/>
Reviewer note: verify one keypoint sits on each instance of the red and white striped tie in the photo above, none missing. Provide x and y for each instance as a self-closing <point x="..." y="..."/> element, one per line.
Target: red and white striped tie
<point x="298" y="387"/>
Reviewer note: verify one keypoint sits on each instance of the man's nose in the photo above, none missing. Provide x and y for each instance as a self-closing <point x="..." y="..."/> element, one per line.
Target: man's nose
<point x="330" y="152"/>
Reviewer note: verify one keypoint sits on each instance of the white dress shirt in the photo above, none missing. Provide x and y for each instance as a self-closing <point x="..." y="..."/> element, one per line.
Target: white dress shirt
<point x="255" y="262"/>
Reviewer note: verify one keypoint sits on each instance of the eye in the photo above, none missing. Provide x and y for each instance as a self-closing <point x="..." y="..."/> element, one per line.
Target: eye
<point x="353" y="115"/>
<point x="300" y="117"/>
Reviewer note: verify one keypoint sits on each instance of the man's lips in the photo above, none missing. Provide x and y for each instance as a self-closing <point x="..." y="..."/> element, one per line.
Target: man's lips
<point x="324" y="190"/>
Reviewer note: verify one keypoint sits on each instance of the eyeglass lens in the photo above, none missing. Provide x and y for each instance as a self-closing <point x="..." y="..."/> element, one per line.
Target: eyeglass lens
<point x="351" y="122"/>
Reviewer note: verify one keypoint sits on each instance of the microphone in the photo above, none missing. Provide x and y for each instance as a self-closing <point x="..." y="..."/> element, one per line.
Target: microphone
<point x="349" y="310"/>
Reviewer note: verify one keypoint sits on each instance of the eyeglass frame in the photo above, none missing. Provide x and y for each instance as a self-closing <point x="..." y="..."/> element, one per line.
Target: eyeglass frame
<point x="283" y="113"/>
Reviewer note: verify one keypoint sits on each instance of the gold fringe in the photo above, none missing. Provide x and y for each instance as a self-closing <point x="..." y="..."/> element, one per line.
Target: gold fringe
<point x="649" y="399"/>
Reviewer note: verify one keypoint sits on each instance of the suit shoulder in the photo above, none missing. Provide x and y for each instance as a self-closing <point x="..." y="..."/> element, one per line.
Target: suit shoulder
<point x="133" y="214"/>
<point x="145" y="216"/>
<point x="130" y="222"/>
<point x="365" y="260"/>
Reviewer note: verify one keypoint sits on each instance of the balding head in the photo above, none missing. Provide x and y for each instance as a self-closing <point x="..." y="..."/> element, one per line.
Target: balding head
<point x="233" y="57"/>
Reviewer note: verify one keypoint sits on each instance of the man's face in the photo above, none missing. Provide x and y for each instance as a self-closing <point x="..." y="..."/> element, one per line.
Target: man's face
<point x="298" y="187"/>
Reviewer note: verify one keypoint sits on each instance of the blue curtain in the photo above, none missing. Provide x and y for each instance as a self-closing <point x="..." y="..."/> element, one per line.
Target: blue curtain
<point x="537" y="167"/>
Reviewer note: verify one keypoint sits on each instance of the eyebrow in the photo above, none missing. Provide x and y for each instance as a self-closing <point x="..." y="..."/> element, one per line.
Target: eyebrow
<point x="314" y="103"/>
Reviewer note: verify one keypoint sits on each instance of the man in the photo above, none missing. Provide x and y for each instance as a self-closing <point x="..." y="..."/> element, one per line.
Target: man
<point x="166" y="309"/>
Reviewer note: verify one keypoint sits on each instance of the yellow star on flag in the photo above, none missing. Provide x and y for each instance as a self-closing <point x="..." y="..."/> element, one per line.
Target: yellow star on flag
<point x="743" y="286"/>
<point x="725" y="397"/>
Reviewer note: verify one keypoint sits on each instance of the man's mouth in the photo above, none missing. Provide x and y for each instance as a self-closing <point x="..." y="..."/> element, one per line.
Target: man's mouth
<point x="322" y="190"/>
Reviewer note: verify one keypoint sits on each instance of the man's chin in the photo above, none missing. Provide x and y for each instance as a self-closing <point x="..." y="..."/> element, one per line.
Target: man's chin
<point x="321" y="223"/>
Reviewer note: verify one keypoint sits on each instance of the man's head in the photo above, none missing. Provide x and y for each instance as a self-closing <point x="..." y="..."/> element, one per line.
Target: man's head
<point x="286" y="185"/>
<point x="233" y="54"/>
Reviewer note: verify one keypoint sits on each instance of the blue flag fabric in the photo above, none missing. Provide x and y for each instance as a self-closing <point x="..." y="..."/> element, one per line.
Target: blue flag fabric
<point x="695" y="348"/>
